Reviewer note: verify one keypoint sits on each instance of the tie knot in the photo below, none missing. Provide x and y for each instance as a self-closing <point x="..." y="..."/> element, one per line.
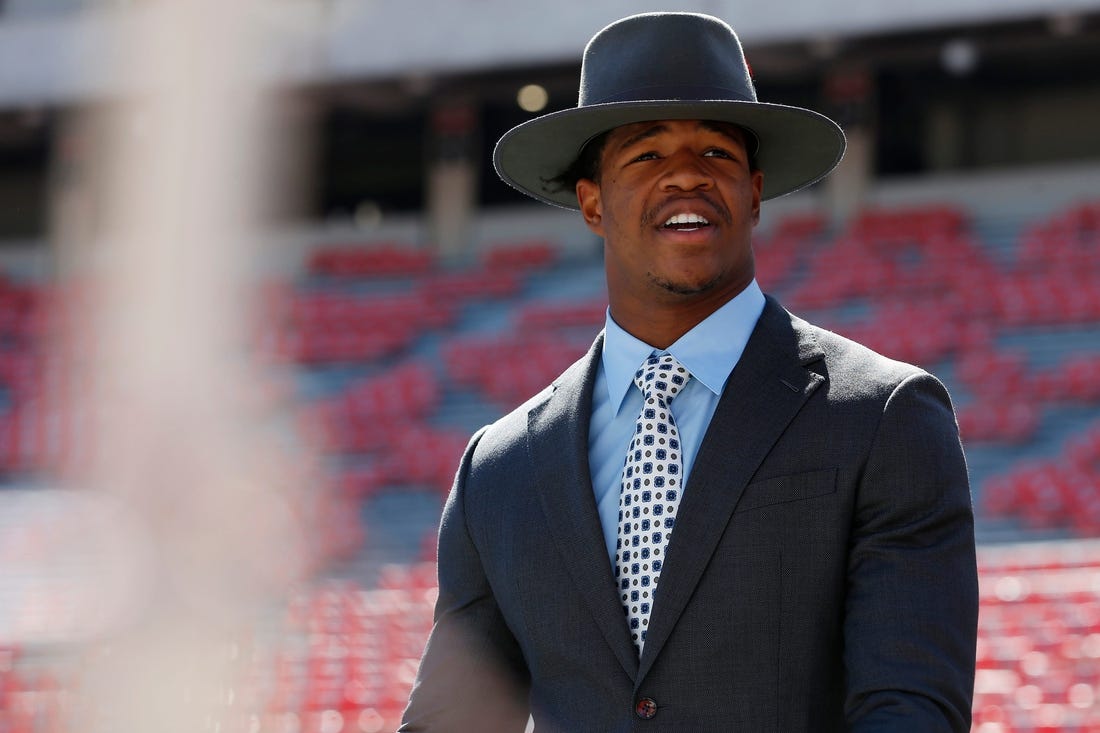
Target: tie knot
<point x="661" y="376"/>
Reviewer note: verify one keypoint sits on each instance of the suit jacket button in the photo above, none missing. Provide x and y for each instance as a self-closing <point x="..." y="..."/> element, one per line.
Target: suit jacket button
<point x="646" y="708"/>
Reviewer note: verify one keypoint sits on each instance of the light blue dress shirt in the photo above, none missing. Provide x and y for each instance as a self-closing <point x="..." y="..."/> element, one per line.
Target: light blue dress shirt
<point x="709" y="351"/>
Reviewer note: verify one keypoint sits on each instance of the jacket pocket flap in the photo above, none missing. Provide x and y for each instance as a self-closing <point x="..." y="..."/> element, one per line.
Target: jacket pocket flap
<point x="782" y="489"/>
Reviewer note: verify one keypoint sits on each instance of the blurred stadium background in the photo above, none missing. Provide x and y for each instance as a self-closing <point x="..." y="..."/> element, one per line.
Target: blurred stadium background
<point x="403" y="296"/>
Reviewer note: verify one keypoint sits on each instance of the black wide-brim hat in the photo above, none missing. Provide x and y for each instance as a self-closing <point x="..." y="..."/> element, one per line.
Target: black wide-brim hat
<point x="666" y="66"/>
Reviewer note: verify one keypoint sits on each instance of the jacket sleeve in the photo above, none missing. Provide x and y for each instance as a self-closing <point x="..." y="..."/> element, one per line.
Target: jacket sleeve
<point x="472" y="676"/>
<point x="911" y="615"/>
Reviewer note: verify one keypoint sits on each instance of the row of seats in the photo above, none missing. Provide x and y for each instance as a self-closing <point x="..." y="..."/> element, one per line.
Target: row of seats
<point x="410" y="390"/>
<point x="340" y="325"/>
<point x="382" y="419"/>
<point x="1058" y="492"/>
<point x="532" y="255"/>
<point x="545" y="316"/>
<point x="890" y="254"/>
<point x="931" y="255"/>
<point x="21" y="309"/>
<point x="1067" y="239"/>
<point x="1007" y="395"/>
<point x="377" y="259"/>
<point x="1046" y="297"/>
<point x="999" y="377"/>
<point x="1013" y="423"/>
<point x="929" y="292"/>
<point x="511" y="368"/>
<point x="1038" y="651"/>
<point x="387" y="260"/>
<point x="306" y="326"/>
<point x="914" y="331"/>
<point x="37" y="435"/>
<point x="902" y="223"/>
<point x="780" y="251"/>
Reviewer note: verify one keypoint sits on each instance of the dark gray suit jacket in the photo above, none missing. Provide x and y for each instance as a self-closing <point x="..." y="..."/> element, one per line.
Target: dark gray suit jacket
<point x="821" y="576"/>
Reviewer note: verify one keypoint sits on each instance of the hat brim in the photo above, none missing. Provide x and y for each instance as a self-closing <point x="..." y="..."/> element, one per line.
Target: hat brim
<point x="797" y="146"/>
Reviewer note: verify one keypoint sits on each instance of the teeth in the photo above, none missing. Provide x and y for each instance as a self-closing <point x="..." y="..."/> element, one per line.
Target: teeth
<point x="685" y="219"/>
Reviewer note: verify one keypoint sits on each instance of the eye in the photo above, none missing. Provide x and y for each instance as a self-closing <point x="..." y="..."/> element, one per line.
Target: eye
<point x="650" y="155"/>
<point x="718" y="153"/>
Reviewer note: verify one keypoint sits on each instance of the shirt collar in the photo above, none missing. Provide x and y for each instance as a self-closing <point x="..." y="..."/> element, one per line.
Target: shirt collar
<point x="709" y="351"/>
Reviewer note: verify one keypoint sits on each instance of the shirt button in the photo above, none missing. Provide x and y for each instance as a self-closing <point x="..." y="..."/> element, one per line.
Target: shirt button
<point x="646" y="708"/>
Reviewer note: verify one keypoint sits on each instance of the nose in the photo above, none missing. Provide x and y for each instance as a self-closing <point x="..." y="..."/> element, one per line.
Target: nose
<point x="687" y="171"/>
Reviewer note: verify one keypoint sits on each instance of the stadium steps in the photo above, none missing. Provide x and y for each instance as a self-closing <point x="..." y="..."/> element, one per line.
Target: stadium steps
<point x="464" y="409"/>
<point x="395" y="524"/>
<point x="573" y="280"/>
<point x="1049" y="346"/>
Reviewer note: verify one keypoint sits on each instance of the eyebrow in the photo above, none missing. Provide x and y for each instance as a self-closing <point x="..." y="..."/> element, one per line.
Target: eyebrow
<point x="725" y="129"/>
<point x="728" y="130"/>
<point x="647" y="133"/>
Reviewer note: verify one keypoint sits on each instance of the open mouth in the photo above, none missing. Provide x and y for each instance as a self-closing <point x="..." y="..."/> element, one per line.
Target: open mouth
<point x="685" y="222"/>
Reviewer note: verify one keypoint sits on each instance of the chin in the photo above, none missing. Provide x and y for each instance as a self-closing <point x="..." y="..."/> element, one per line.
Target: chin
<point x="684" y="286"/>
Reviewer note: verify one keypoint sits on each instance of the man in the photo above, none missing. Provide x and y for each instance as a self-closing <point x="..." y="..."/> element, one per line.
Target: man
<point x="721" y="518"/>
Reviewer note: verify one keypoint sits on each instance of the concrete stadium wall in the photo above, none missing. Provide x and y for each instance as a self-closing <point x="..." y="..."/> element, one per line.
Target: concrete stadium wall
<point x="53" y="57"/>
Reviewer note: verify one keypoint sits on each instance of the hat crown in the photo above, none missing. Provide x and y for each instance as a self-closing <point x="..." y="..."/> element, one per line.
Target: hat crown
<point x="665" y="56"/>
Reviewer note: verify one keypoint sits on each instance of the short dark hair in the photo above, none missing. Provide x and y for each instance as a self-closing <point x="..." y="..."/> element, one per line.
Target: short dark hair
<point x="585" y="165"/>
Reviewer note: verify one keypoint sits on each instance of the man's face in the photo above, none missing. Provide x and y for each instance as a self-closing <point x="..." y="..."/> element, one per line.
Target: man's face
<point x="675" y="204"/>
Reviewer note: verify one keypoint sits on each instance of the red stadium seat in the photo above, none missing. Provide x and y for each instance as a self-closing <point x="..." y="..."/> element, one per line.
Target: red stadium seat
<point x="369" y="260"/>
<point x="524" y="256"/>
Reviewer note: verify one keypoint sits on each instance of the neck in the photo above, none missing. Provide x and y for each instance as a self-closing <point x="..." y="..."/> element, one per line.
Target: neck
<point x="660" y="323"/>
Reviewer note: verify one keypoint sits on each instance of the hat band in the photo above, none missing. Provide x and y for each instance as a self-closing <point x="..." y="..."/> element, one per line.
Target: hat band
<point x="678" y="93"/>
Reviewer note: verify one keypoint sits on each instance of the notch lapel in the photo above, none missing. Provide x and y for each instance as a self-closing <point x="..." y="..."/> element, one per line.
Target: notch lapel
<point x="764" y="392"/>
<point x="557" y="442"/>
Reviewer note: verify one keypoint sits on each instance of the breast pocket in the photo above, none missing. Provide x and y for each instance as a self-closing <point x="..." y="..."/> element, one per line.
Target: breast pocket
<point x="783" y="489"/>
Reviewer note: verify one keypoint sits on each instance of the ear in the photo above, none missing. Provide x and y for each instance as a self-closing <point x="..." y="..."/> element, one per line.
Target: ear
<point x="588" y="196"/>
<point x="757" y="191"/>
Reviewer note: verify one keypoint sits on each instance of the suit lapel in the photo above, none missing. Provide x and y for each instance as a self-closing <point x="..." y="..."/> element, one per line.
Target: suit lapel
<point x="765" y="391"/>
<point x="558" y="446"/>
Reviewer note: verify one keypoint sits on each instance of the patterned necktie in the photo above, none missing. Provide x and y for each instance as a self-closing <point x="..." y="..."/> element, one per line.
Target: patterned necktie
<point x="650" y="495"/>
